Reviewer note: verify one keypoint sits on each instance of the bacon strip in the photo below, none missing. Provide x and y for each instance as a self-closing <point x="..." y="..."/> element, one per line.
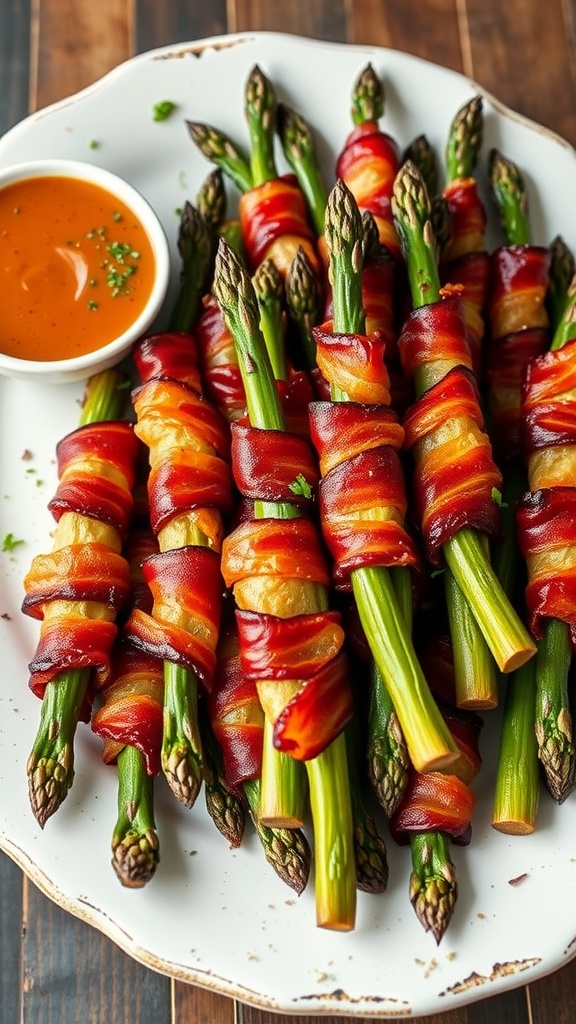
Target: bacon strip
<point x="368" y="164"/>
<point x="274" y="222"/>
<point x="434" y="802"/>
<point x="77" y="590"/>
<point x="455" y="473"/>
<point x="269" y="563"/>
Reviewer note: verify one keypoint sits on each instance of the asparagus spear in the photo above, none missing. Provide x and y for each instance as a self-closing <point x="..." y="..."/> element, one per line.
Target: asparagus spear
<point x="327" y="773"/>
<point x="269" y="289"/>
<point x="50" y="766"/>
<point x="427" y="736"/>
<point x="299" y="149"/>
<point x="465" y="552"/>
<point x="553" y="718"/>
<point x="423" y="155"/>
<point x="135" y="845"/>
<point x="562" y="267"/>
<point x="222" y="803"/>
<point x="433" y="883"/>
<point x="465" y="140"/>
<point x="367" y="100"/>
<point x="433" y="888"/>
<point x="195" y="248"/>
<point x="286" y="849"/>
<point x="304" y="305"/>
<point x="220" y="150"/>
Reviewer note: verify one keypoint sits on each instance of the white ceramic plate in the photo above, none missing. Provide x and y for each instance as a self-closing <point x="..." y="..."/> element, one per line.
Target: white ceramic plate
<point x="221" y="919"/>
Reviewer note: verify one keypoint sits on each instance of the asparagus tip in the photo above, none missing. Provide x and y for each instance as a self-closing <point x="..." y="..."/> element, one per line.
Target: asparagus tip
<point x="49" y="780"/>
<point x="135" y="857"/>
<point x="182" y="772"/>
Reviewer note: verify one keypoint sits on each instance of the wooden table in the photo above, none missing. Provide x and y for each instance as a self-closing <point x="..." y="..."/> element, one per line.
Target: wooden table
<point x="54" y="969"/>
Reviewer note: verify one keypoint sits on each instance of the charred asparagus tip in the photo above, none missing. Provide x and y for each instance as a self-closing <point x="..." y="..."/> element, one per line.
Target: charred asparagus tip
<point x="367" y="97"/>
<point x="433" y="885"/>
<point x="371" y="857"/>
<point x="135" y="857"/>
<point x="183" y="772"/>
<point x="465" y="139"/>
<point x="49" y="780"/>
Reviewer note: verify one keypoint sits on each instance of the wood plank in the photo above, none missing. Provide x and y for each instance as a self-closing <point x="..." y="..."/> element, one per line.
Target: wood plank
<point x="179" y="21"/>
<point x="498" y="34"/>
<point x="14" y="73"/>
<point x="511" y="1007"/>
<point x="432" y="34"/>
<point x="552" y="998"/>
<point x="76" y="43"/>
<point x="199" y="1006"/>
<point x="10" y="931"/>
<point x="302" y="17"/>
<point x="74" y="974"/>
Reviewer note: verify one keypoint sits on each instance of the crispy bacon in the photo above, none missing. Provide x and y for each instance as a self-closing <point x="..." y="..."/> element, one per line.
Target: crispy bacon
<point x="519" y="331"/>
<point x="267" y="562"/>
<point x="354" y="363"/>
<point x="275" y="223"/>
<point x="434" y="802"/>
<point x="368" y="164"/>
<point x="221" y="374"/>
<point x="455" y="473"/>
<point x="273" y="464"/>
<point x="131" y="712"/>
<point x="189" y="490"/>
<point x="545" y="515"/>
<point x="77" y="590"/>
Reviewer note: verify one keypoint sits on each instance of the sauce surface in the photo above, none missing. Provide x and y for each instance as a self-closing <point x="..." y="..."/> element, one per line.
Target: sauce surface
<point x="76" y="268"/>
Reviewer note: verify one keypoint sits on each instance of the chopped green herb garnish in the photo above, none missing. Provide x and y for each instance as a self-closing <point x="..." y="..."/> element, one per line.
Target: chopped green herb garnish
<point x="116" y="216"/>
<point x="162" y="110"/>
<point x="93" y="143"/>
<point x="10" y="542"/>
<point x="497" y="497"/>
<point x="92" y="304"/>
<point x="301" y="487"/>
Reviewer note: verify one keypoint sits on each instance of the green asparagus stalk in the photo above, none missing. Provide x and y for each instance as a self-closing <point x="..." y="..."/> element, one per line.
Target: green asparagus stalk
<point x="286" y="849"/>
<point x="516" y="794"/>
<point x="465" y="140"/>
<point x="260" y="112"/>
<point x="195" y="249"/>
<point x="303" y="301"/>
<point x="219" y="148"/>
<point x="428" y="739"/>
<point x="465" y="554"/>
<point x="335" y="886"/>
<point x="299" y="148"/>
<point x="224" y="805"/>
<point x="135" y="845"/>
<point x="562" y="267"/>
<point x="211" y="200"/>
<point x="269" y="288"/>
<point x="368" y="99"/>
<point x="422" y="154"/>
<point x="50" y="766"/>
<point x="433" y="883"/>
<point x="386" y="751"/>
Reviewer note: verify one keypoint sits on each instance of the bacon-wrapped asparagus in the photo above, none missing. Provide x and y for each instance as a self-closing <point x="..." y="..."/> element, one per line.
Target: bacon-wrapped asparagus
<point x="545" y="528"/>
<point x="370" y="158"/>
<point x="78" y="589"/>
<point x="272" y="209"/>
<point x="362" y="498"/>
<point x="290" y="641"/>
<point x="238" y="722"/>
<point x="129" y="721"/>
<point x="189" y="489"/>
<point x="455" y="472"/>
<point x="465" y="258"/>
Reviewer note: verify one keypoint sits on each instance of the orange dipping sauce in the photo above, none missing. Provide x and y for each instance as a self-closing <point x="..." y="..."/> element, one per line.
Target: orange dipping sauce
<point x="76" y="268"/>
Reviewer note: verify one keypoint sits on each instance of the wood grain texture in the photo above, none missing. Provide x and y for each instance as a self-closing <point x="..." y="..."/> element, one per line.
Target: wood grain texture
<point x="75" y="43"/>
<point x="313" y="18"/>
<point x="198" y="1006"/>
<point x="10" y="935"/>
<point x="160" y="24"/>
<point x="14" y="61"/>
<point x="74" y="975"/>
<point x="433" y="34"/>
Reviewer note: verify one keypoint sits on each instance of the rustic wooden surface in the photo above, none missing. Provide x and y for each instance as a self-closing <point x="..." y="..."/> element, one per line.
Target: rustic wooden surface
<point x="53" y="968"/>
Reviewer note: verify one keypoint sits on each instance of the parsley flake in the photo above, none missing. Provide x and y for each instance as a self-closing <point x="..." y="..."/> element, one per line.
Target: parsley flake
<point x="497" y="497"/>
<point x="301" y="487"/>
<point x="10" y="542"/>
<point x="162" y="110"/>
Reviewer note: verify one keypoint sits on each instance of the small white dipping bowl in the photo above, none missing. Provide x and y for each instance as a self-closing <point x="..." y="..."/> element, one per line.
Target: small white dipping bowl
<point x="61" y="371"/>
